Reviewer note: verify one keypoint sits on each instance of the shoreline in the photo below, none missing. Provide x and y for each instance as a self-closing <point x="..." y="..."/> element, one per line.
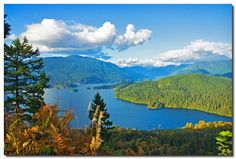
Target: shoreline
<point x="172" y="107"/>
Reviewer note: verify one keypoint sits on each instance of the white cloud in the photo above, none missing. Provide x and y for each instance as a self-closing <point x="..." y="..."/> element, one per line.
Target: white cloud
<point x="198" y="50"/>
<point x="132" y="38"/>
<point x="142" y="62"/>
<point x="53" y="55"/>
<point x="11" y="37"/>
<point x="79" y="27"/>
<point x="55" y="35"/>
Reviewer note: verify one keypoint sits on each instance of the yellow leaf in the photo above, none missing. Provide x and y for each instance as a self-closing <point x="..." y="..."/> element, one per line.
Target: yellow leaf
<point x="35" y="129"/>
<point x="26" y="143"/>
<point x="8" y="137"/>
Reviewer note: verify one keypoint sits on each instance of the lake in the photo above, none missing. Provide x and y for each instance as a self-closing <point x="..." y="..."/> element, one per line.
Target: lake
<point x="124" y="114"/>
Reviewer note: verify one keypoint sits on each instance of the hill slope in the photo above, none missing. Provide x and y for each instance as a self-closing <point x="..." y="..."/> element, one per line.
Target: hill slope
<point x="74" y="69"/>
<point x="142" y="72"/>
<point x="212" y="68"/>
<point x="194" y="91"/>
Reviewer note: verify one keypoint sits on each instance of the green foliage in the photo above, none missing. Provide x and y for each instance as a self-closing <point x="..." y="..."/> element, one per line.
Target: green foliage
<point x="155" y="105"/>
<point x="24" y="81"/>
<point x="77" y="69"/>
<point x="194" y="91"/>
<point x="106" y="123"/>
<point x="224" y="142"/>
<point x="180" y="142"/>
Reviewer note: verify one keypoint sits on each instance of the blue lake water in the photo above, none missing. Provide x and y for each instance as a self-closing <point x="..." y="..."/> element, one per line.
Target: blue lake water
<point x="124" y="114"/>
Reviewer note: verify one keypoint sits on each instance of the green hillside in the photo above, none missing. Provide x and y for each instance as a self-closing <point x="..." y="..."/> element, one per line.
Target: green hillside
<point x="214" y="68"/>
<point x="201" y="92"/>
<point x="77" y="69"/>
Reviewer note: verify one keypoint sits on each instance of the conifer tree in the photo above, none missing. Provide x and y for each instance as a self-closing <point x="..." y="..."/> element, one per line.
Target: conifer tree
<point x="106" y="124"/>
<point x="7" y="27"/>
<point x="24" y="80"/>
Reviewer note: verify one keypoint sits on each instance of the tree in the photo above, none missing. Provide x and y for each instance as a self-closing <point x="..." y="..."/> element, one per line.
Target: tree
<point x="7" y="28"/>
<point x="106" y="124"/>
<point x="188" y="125"/>
<point x="224" y="142"/>
<point x="24" y="81"/>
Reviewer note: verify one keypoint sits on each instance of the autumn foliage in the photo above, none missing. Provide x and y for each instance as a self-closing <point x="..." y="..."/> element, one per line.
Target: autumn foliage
<point x="48" y="134"/>
<point x="202" y="125"/>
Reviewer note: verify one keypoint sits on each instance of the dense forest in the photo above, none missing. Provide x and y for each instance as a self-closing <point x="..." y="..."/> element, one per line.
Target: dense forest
<point x="180" y="142"/>
<point x="194" y="91"/>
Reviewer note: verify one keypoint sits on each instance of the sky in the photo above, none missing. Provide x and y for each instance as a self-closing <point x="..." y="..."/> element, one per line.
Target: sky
<point x="127" y="35"/>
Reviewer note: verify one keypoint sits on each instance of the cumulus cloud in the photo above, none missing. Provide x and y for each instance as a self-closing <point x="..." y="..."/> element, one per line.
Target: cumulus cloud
<point x="52" y="35"/>
<point x="198" y="50"/>
<point x="56" y="35"/>
<point x="132" y="38"/>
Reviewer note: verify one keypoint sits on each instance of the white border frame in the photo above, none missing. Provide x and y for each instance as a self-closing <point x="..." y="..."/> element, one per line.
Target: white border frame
<point x="2" y="2"/>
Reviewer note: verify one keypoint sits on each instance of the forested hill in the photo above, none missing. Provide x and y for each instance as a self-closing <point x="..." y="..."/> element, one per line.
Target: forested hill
<point x="77" y="69"/>
<point x="201" y="92"/>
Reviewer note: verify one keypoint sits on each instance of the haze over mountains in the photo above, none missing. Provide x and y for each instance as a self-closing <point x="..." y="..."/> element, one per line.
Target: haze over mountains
<point x="142" y="72"/>
<point x="218" y="68"/>
<point x="78" y="69"/>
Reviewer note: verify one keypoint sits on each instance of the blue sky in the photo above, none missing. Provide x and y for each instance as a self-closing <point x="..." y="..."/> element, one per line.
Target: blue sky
<point x="158" y="34"/>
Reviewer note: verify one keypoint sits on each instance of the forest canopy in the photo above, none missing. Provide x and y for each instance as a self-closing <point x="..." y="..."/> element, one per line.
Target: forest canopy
<point x="194" y="91"/>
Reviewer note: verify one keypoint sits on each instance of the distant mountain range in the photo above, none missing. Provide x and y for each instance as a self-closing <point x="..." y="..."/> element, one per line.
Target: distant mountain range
<point x="77" y="69"/>
<point x="142" y="72"/>
<point x="217" y="68"/>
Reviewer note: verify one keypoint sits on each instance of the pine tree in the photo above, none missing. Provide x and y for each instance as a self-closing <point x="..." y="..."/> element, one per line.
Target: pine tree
<point x="106" y="124"/>
<point x="24" y="81"/>
<point x="7" y="28"/>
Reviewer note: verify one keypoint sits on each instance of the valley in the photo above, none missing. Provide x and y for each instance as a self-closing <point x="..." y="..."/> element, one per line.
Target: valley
<point x="197" y="86"/>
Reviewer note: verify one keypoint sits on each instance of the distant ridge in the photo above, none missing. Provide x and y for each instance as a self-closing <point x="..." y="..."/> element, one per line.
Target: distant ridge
<point x="78" y="69"/>
<point x="149" y="72"/>
<point x="218" y="68"/>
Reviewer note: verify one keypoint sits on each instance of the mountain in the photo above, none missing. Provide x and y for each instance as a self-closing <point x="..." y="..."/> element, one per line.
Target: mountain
<point x="142" y="72"/>
<point x="74" y="69"/>
<point x="229" y="75"/>
<point x="194" y="91"/>
<point x="218" y="68"/>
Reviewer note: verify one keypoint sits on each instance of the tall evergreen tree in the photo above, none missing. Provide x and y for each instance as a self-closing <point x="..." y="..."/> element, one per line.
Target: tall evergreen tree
<point x="106" y="123"/>
<point x="24" y="79"/>
<point x="7" y="27"/>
